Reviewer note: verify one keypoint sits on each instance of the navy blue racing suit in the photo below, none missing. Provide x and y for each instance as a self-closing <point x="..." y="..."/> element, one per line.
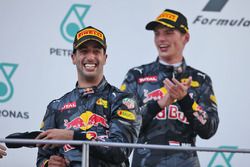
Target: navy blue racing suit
<point x="101" y="113"/>
<point x="177" y="124"/>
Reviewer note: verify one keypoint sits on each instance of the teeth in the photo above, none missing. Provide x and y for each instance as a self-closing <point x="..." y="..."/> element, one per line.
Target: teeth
<point x="163" y="46"/>
<point x="89" y="65"/>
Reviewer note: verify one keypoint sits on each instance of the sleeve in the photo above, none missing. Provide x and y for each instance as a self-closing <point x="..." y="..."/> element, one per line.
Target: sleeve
<point x="47" y="123"/>
<point x="124" y="127"/>
<point x="148" y="110"/>
<point x="201" y="111"/>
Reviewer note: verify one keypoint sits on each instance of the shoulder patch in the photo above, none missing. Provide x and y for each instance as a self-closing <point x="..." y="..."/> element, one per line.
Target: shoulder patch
<point x="126" y="114"/>
<point x="213" y="98"/>
<point x="130" y="103"/>
<point x="194" y="84"/>
<point x="123" y="87"/>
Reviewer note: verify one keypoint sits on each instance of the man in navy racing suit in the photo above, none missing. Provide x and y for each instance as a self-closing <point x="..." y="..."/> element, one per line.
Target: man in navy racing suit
<point x="176" y="101"/>
<point x="94" y="110"/>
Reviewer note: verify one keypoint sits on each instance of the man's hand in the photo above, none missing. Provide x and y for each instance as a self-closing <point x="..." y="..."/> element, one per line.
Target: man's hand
<point x="165" y="101"/>
<point x="55" y="134"/>
<point x="57" y="161"/>
<point x="176" y="89"/>
<point x="2" y="151"/>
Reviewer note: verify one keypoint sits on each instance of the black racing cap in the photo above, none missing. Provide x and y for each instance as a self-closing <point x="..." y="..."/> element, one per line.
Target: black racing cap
<point x="171" y="19"/>
<point x="87" y="34"/>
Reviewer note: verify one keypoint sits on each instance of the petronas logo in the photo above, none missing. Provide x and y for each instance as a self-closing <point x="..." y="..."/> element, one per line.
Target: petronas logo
<point x="6" y="88"/>
<point x="73" y="21"/>
<point x="221" y="159"/>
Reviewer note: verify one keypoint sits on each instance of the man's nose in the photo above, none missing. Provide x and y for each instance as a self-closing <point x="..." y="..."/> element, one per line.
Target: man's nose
<point x="90" y="55"/>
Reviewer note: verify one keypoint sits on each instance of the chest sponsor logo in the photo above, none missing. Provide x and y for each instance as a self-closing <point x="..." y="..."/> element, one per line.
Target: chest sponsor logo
<point x="156" y="95"/>
<point x="68" y="106"/>
<point x="148" y="79"/>
<point x="102" y="102"/>
<point x="86" y="121"/>
<point x="175" y="114"/>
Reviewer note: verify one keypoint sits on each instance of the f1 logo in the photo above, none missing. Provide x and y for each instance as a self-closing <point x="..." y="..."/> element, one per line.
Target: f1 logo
<point x="215" y="5"/>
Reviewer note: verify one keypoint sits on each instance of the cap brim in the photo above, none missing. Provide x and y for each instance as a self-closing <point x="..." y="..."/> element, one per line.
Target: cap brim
<point x="151" y="25"/>
<point x="25" y="135"/>
<point x="90" y="39"/>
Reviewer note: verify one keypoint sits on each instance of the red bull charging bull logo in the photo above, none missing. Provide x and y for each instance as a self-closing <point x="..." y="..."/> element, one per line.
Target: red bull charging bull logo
<point x="86" y="121"/>
<point x="154" y="95"/>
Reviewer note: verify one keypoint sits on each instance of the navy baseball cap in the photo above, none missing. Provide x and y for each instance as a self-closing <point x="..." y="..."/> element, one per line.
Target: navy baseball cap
<point x="87" y="34"/>
<point x="170" y="18"/>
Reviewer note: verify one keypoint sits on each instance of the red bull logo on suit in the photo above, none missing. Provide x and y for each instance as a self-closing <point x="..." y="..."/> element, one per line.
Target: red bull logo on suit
<point x="86" y="121"/>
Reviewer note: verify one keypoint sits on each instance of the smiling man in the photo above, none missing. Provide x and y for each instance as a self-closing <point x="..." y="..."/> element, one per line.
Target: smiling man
<point x="94" y="110"/>
<point x="176" y="101"/>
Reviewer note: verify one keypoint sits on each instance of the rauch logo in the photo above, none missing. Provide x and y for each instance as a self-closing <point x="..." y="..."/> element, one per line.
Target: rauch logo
<point x="6" y="87"/>
<point x="73" y="21"/>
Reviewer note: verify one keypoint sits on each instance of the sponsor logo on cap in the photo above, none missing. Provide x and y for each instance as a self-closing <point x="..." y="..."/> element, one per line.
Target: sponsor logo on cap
<point x="90" y="32"/>
<point x="169" y="16"/>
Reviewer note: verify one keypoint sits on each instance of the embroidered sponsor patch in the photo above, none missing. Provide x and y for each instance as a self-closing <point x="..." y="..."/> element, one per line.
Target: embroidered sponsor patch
<point x="91" y="135"/>
<point x="130" y="103"/>
<point x="169" y="16"/>
<point x="88" y="32"/>
<point x="194" y="84"/>
<point x="68" y="147"/>
<point x="148" y="79"/>
<point x="199" y="113"/>
<point x="123" y="87"/>
<point x="126" y="114"/>
<point x="68" y="106"/>
<point x="42" y="125"/>
<point x="155" y="94"/>
<point x="102" y="102"/>
<point x="213" y="98"/>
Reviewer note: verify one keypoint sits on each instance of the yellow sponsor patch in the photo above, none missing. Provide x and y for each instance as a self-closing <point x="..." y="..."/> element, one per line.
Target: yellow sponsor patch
<point x="42" y="125"/>
<point x="213" y="98"/>
<point x="123" y="87"/>
<point x="196" y="107"/>
<point x="126" y="114"/>
<point x="194" y="84"/>
<point x="90" y="31"/>
<point x="91" y="135"/>
<point x="102" y="102"/>
<point x="168" y="15"/>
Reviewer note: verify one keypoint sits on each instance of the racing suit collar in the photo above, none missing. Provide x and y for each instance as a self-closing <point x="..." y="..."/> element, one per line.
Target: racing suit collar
<point x="176" y="70"/>
<point x="90" y="90"/>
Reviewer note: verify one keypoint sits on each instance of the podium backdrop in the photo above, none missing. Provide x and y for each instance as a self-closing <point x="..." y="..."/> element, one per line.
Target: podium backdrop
<point x="35" y="64"/>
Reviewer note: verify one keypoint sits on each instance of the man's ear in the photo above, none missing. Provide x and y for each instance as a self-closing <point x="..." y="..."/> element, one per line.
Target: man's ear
<point x="73" y="58"/>
<point x="187" y="37"/>
<point x="106" y="58"/>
